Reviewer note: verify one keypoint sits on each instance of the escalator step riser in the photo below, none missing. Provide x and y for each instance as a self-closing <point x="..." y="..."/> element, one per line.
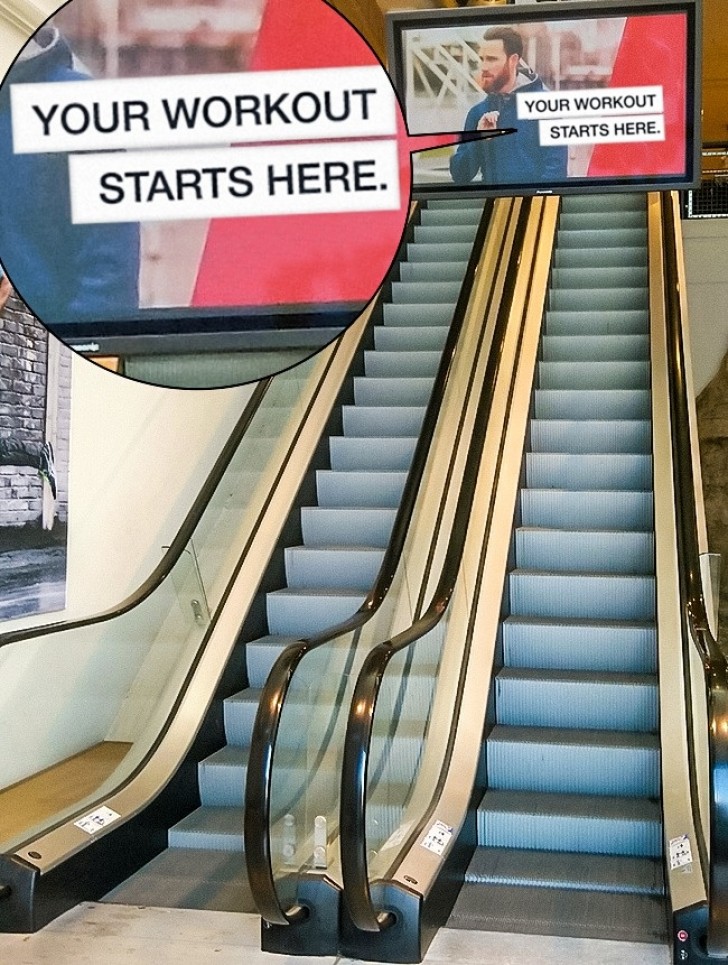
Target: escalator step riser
<point x="602" y="299"/>
<point x="591" y="835"/>
<point x="635" y="322"/>
<point x="309" y="567"/>
<point x="572" y="769"/>
<point x="411" y="338"/>
<point x="420" y="272"/>
<point x="607" y="404"/>
<point x="620" y="471"/>
<point x="582" y="596"/>
<point x="573" y="204"/>
<point x="599" y="220"/>
<point x="576" y="704"/>
<point x="595" y="509"/>
<point x="578" y="646"/>
<point x="608" y="258"/>
<point x="584" y="437"/>
<point x="397" y="365"/>
<point x="605" y="276"/>
<point x="600" y="239"/>
<point x="451" y="216"/>
<point x="373" y="421"/>
<point x="595" y="348"/>
<point x="584" y="552"/>
<point x="452" y="251"/>
<point x="352" y="452"/>
<point x="363" y="526"/>
<point x="417" y="293"/>
<point x="301" y="613"/>
<point x="444" y="234"/>
<point x="415" y="316"/>
<point x="213" y="829"/>
<point x="383" y="391"/>
<point x="222" y="787"/>
<point x="362" y="488"/>
<point x="594" y="375"/>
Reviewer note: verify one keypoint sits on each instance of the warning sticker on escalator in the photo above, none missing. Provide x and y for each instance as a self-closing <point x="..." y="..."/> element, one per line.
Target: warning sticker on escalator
<point x="681" y="854"/>
<point x="438" y="837"/>
<point x="97" y="820"/>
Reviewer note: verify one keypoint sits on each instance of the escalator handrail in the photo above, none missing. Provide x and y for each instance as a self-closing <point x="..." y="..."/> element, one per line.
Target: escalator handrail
<point x="713" y="660"/>
<point x="180" y="541"/>
<point x="360" y="727"/>
<point x="258" y="788"/>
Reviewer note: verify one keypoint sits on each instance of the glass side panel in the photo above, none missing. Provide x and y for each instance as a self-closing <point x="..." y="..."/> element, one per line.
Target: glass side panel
<point x="118" y="680"/>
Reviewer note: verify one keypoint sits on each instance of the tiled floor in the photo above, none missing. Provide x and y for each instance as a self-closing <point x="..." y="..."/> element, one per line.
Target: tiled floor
<point x="94" y="934"/>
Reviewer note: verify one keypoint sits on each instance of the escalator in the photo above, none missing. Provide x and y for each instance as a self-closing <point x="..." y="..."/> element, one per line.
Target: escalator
<point x="349" y="507"/>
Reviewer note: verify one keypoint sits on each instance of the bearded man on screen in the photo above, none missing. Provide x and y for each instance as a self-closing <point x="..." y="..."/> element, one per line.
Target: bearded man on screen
<point x="518" y="159"/>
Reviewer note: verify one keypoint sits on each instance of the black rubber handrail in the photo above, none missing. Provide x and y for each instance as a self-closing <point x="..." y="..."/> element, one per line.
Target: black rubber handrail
<point x="352" y="821"/>
<point x="176" y="547"/>
<point x="270" y="709"/>
<point x="713" y="660"/>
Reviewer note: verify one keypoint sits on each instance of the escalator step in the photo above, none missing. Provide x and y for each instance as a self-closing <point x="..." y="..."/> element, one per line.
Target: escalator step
<point x="580" y="699"/>
<point x="357" y="452"/>
<point x="608" y="257"/>
<point x="607" y="322"/>
<point x="214" y="829"/>
<point x="599" y="239"/>
<point x="597" y="299"/>
<point x="586" y="551"/>
<point x="301" y="613"/>
<point x="582" y="595"/>
<point x="603" y="202"/>
<point x="415" y="338"/>
<point x="423" y="271"/>
<point x="570" y="822"/>
<point x="444" y="234"/>
<point x="454" y="251"/>
<point x="360" y="487"/>
<point x="594" y="375"/>
<point x="587" y="509"/>
<point x="222" y="775"/>
<point x="370" y="421"/>
<point x="567" y="761"/>
<point x="602" y="471"/>
<point x="593" y="348"/>
<point x="580" y="645"/>
<point x="592" y="404"/>
<point x="418" y="316"/>
<point x="606" y="276"/>
<point x="428" y="292"/>
<point x="583" y="436"/>
<point x="452" y="216"/>
<point x="323" y="526"/>
<point x="374" y="390"/>
<point x="393" y="365"/>
<point x="599" y="220"/>
<point x="342" y="566"/>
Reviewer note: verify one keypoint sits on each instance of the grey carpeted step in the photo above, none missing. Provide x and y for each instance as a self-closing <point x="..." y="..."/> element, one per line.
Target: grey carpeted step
<point x="591" y="436"/>
<point x="261" y="654"/>
<point x="592" y="404"/>
<point x="422" y="271"/>
<point x="593" y="348"/>
<point x="634" y="322"/>
<point x="594" y="375"/>
<point x="579" y="551"/>
<point x="415" y="316"/>
<point x="598" y="299"/>
<point x="567" y="761"/>
<point x="603" y="276"/>
<point x="302" y="613"/>
<point x="373" y="390"/>
<point x="611" y="646"/>
<point x="600" y="239"/>
<point x="418" y="292"/>
<point x="344" y="567"/>
<point x="563" y="470"/>
<point x="357" y="452"/>
<point x="588" y="509"/>
<point x="214" y="829"/>
<point x="360" y="487"/>
<point x="581" y="699"/>
<point x="415" y="338"/>
<point x="582" y="595"/>
<point x="402" y="364"/>
<point x="322" y="526"/>
<point x="608" y="257"/>
<point x="367" y="421"/>
<point x="575" y="872"/>
<point x="561" y="912"/>
<point x="570" y="822"/>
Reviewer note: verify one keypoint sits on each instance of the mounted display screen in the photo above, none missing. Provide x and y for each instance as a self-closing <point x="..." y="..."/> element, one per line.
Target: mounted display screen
<point x="604" y="95"/>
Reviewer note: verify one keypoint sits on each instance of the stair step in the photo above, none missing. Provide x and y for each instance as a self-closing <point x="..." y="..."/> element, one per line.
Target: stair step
<point x="567" y="761"/>
<point x="357" y="452"/>
<point x="594" y="375"/>
<point x="452" y="216"/>
<point x="415" y="316"/>
<point x="344" y="567"/>
<point x="402" y="364"/>
<point x="365" y="421"/>
<point x="605" y="276"/>
<point x="583" y="436"/>
<point x="423" y="271"/>
<point x="384" y="391"/>
<point x="570" y="822"/>
<point x="418" y="292"/>
<point x="585" y="551"/>
<point x="592" y="348"/>
<point x="609" y="646"/>
<point x="214" y="829"/>
<point x="582" y="595"/>
<point x="600" y="239"/>
<point x="559" y="470"/>
<point x="444" y="234"/>
<point x="323" y="526"/>
<point x="601" y="220"/>
<point x="414" y="338"/>
<point x="302" y="613"/>
<point x="633" y="322"/>
<point x="607" y="404"/>
<point x="584" y="700"/>
<point x="597" y="299"/>
<point x="574" y="203"/>
<point x="361" y="487"/>
<point x="222" y="775"/>
<point x="608" y="257"/>
<point x="260" y="655"/>
<point x="429" y="252"/>
<point x="587" y="509"/>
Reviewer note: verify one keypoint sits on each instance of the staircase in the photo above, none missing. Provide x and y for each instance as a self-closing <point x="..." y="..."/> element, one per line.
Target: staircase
<point x="344" y="538"/>
<point x="569" y="828"/>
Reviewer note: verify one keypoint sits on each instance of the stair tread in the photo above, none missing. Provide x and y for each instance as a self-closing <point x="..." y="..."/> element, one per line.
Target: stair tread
<point x="573" y="736"/>
<point x="546" y="804"/>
